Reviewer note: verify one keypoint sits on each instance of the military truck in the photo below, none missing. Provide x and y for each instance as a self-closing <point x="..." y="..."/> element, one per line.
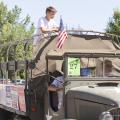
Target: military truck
<point x="90" y="62"/>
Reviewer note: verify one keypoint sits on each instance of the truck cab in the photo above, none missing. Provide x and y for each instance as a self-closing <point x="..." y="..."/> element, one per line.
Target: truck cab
<point x="91" y="85"/>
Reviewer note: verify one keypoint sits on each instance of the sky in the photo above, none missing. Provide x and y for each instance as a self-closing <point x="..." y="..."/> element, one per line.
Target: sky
<point x="87" y="14"/>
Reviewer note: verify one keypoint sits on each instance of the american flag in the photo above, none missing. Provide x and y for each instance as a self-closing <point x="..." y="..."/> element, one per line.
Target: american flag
<point x="62" y="35"/>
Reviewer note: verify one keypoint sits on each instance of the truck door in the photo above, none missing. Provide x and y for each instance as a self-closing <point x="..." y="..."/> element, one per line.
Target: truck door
<point x="36" y="97"/>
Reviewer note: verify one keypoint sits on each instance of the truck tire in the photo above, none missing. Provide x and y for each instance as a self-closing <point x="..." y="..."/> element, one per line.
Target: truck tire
<point x="17" y="117"/>
<point x="4" y="115"/>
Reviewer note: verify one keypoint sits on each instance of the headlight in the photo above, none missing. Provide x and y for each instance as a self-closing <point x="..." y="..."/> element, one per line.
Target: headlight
<point x="106" y="116"/>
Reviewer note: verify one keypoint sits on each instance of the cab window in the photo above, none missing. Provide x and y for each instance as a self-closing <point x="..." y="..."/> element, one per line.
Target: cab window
<point x="93" y="67"/>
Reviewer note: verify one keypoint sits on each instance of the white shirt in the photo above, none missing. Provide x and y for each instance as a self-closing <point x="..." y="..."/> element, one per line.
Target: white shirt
<point x="43" y="22"/>
<point x="58" y="82"/>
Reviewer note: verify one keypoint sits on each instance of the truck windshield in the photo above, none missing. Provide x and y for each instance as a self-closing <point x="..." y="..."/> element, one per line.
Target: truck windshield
<point x="93" y="67"/>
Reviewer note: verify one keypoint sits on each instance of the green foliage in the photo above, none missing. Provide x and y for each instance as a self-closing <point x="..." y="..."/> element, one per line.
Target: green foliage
<point x="13" y="28"/>
<point x="113" y="26"/>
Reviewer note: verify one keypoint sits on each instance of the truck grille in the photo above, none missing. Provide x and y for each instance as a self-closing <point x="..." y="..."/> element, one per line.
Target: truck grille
<point x="115" y="113"/>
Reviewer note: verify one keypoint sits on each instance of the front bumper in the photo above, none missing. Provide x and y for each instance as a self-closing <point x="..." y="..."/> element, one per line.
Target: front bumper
<point x="111" y="114"/>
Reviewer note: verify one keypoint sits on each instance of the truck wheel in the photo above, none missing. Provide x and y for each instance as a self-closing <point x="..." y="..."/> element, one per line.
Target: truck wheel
<point x="17" y="117"/>
<point x="4" y="115"/>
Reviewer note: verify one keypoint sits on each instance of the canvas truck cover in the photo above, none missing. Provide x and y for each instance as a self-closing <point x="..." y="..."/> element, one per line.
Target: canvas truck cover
<point x="74" y="44"/>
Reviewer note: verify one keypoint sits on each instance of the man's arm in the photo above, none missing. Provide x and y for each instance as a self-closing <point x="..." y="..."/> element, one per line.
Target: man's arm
<point x="54" y="89"/>
<point x="44" y="30"/>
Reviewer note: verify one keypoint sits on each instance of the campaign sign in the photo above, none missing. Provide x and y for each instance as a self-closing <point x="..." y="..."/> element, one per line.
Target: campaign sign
<point x="73" y="67"/>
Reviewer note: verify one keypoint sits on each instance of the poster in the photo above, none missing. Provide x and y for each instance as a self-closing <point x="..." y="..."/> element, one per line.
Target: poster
<point x="8" y="96"/>
<point x="73" y="66"/>
<point x="2" y="94"/>
<point x="21" y="100"/>
<point x="14" y="95"/>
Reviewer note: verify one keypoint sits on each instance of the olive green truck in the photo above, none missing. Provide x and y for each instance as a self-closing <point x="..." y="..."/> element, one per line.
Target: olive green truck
<point x="91" y="72"/>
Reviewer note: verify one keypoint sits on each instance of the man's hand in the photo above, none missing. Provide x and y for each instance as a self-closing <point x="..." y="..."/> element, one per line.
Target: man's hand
<point x="54" y="30"/>
<point x="52" y="88"/>
<point x="60" y="89"/>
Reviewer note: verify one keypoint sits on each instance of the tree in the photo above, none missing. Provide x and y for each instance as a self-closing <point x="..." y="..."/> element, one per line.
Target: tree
<point x="113" y="26"/>
<point x="13" y="28"/>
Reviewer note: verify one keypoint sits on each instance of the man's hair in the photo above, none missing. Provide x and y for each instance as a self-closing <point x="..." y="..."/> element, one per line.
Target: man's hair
<point x="50" y="9"/>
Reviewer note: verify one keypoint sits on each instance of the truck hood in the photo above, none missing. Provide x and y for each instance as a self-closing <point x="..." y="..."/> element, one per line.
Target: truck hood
<point x="102" y="95"/>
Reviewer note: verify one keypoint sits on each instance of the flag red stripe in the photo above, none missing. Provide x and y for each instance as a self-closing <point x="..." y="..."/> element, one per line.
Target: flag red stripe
<point x="61" y="36"/>
<point x="61" y="44"/>
<point x="62" y="41"/>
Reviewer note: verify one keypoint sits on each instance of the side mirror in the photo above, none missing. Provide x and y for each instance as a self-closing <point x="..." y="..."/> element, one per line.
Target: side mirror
<point x="31" y="64"/>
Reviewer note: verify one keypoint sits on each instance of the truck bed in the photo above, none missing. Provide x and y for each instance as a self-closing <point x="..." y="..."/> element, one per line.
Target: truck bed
<point x="18" y="112"/>
<point x="12" y="98"/>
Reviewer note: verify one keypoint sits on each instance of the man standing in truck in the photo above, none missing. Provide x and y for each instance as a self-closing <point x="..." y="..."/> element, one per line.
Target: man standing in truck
<point x="46" y="24"/>
<point x="57" y="86"/>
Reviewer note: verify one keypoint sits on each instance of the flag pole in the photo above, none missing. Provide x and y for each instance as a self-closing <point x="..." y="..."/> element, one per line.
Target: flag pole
<point x="60" y="16"/>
